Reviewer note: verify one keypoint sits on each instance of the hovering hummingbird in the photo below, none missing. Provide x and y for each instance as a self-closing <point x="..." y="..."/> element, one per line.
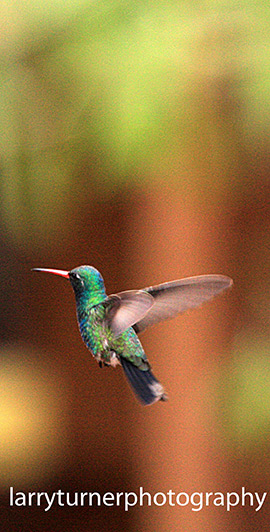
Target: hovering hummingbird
<point x="109" y="324"/>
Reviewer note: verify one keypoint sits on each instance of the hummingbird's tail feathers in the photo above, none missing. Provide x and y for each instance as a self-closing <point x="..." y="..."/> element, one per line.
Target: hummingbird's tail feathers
<point x="145" y="385"/>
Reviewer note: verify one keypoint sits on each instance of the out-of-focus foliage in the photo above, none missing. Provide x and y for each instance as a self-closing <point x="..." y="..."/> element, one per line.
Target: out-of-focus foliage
<point x="96" y="94"/>
<point x="33" y="418"/>
<point x="246" y="389"/>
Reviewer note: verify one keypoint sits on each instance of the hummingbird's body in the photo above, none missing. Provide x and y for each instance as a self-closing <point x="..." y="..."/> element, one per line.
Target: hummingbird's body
<point x="102" y="343"/>
<point x="108" y="324"/>
<point x="93" y="308"/>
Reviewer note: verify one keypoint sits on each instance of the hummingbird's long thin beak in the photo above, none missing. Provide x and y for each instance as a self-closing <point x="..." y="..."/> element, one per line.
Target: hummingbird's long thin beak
<point x="63" y="273"/>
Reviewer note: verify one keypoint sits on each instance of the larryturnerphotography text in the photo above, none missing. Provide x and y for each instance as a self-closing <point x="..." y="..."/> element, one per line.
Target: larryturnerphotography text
<point x="196" y="501"/>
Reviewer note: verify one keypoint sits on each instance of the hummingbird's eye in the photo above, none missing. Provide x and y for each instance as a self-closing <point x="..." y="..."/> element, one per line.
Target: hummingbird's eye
<point x="78" y="278"/>
<point x="75" y="276"/>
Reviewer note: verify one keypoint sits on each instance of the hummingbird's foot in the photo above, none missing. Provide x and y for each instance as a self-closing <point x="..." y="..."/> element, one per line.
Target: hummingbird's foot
<point x="114" y="360"/>
<point x="100" y="364"/>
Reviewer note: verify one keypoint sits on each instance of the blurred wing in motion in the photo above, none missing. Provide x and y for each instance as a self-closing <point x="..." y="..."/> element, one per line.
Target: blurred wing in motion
<point x="177" y="296"/>
<point x="126" y="308"/>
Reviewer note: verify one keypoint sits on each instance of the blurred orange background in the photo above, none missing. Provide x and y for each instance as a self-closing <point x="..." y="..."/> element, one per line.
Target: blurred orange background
<point x="135" y="138"/>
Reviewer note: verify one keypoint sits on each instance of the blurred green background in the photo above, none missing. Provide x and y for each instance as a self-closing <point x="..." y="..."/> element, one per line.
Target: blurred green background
<point x="135" y="137"/>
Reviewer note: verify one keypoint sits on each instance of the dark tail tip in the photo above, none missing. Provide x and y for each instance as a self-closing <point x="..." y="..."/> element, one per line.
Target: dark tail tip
<point x="145" y="385"/>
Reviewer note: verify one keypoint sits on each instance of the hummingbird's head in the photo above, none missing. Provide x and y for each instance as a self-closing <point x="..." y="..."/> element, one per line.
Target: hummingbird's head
<point x="84" y="279"/>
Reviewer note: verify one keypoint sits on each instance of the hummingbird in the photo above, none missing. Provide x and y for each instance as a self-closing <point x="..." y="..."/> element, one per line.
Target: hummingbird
<point x="109" y="325"/>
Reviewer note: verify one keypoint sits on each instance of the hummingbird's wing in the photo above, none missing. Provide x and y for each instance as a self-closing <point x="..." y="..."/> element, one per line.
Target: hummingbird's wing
<point x="177" y="296"/>
<point x="126" y="308"/>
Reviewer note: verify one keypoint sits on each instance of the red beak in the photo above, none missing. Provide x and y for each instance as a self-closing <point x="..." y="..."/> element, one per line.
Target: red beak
<point x="63" y="273"/>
